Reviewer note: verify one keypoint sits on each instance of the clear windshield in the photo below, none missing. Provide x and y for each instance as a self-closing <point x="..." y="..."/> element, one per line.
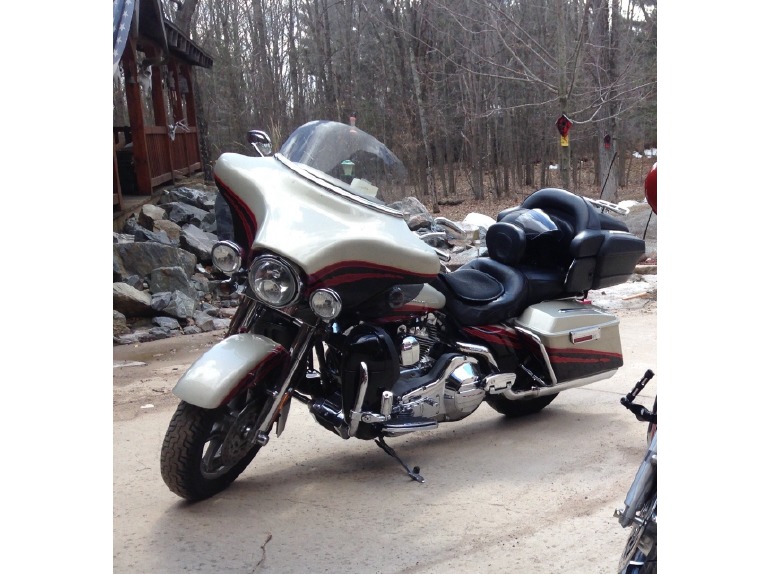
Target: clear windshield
<point x="346" y="157"/>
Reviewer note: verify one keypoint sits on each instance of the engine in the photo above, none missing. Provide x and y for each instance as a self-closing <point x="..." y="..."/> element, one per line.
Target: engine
<point x="435" y="382"/>
<point x="396" y="381"/>
<point x="450" y="391"/>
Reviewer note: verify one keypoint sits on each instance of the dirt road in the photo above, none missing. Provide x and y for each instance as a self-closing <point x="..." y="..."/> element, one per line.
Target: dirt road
<point x="531" y="496"/>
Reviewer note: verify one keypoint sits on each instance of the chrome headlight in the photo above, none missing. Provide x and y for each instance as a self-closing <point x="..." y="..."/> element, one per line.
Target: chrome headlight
<point x="325" y="303"/>
<point x="273" y="281"/>
<point x="226" y="256"/>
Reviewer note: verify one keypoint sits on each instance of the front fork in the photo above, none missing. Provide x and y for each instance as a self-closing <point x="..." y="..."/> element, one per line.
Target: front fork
<point x="248" y="311"/>
<point x="245" y="314"/>
<point x="281" y="397"/>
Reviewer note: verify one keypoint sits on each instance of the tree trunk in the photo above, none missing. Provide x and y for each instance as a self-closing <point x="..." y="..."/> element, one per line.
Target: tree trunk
<point x="184" y="15"/>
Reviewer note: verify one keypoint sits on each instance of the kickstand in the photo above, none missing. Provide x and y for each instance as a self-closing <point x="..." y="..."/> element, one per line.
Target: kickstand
<point x="414" y="473"/>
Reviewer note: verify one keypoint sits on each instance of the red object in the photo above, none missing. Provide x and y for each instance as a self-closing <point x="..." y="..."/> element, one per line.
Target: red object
<point x="651" y="188"/>
<point x="563" y="124"/>
<point x="607" y="141"/>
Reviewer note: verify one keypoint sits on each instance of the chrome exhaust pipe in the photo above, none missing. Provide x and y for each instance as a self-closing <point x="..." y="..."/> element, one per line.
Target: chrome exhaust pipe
<point x="501" y="384"/>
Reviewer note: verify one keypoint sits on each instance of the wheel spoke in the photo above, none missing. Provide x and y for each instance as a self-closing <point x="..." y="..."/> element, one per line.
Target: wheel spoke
<point x="212" y="450"/>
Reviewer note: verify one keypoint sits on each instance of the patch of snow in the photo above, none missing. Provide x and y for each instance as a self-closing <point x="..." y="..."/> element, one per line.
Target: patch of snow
<point x="479" y="220"/>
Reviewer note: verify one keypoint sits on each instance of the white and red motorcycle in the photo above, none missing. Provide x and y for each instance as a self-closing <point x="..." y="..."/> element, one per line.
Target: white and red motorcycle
<point x="346" y="310"/>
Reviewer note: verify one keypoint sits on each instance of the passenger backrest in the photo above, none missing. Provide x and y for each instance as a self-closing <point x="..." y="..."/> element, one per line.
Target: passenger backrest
<point x="564" y="205"/>
<point x="593" y="253"/>
<point x="506" y="242"/>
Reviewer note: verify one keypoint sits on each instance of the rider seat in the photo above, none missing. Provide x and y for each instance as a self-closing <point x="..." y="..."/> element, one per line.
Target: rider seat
<point x="574" y="253"/>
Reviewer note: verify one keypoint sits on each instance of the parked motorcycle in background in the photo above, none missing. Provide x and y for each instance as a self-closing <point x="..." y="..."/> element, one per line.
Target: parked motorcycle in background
<point x="641" y="504"/>
<point x="640" y="510"/>
<point x="347" y="311"/>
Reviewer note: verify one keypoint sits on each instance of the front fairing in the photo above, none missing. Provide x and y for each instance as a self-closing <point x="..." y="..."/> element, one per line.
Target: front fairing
<point x="341" y="239"/>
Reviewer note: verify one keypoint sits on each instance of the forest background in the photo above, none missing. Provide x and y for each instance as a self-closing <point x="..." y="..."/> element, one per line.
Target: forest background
<point x="466" y="92"/>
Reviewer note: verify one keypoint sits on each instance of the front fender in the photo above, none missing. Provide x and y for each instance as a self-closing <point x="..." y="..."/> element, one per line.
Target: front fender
<point x="217" y="374"/>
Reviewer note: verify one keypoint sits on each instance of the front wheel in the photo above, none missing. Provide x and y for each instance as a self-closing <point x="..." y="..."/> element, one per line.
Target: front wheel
<point x="520" y="407"/>
<point x="641" y="553"/>
<point x="205" y="450"/>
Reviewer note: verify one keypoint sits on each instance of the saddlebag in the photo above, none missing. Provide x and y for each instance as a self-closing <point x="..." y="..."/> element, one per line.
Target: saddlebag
<point x="574" y="340"/>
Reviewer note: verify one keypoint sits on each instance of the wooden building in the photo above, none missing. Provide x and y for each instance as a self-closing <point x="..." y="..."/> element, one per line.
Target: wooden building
<point x="156" y="60"/>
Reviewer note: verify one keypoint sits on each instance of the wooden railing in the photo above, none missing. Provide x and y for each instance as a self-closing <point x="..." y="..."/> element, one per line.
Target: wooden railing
<point x="167" y="159"/>
<point x="170" y="159"/>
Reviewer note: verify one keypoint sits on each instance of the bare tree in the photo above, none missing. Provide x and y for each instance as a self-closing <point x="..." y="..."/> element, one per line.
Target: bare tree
<point x="452" y="86"/>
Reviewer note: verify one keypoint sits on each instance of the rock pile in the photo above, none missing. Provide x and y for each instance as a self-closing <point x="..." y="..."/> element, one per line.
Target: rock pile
<point x="164" y="284"/>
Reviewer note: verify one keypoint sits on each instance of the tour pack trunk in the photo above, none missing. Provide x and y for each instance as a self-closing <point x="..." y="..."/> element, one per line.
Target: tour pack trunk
<point x="575" y="340"/>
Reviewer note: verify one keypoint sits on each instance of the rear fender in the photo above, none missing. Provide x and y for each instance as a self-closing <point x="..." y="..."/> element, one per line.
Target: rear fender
<point x="217" y="375"/>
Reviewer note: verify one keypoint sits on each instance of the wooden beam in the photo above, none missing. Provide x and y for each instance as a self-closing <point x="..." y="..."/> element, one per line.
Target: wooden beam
<point x="136" y="118"/>
<point x="158" y="94"/>
<point x="117" y="194"/>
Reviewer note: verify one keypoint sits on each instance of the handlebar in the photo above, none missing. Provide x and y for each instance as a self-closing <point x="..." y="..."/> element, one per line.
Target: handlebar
<point x="642" y="413"/>
<point x="603" y="205"/>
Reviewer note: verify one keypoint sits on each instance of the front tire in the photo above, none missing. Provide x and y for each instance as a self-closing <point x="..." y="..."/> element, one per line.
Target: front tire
<point x="205" y="450"/>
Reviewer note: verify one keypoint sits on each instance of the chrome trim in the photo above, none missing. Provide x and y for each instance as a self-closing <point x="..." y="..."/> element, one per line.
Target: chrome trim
<point x="534" y="392"/>
<point x="428" y="400"/>
<point x="300" y="286"/>
<point x="479" y="350"/>
<point x="451" y="225"/>
<point x="248" y="308"/>
<point x="602" y="204"/>
<point x="386" y="404"/>
<point x="410" y="351"/>
<point x="642" y="485"/>
<point x="301" y="344"/>
<point x="300" y="170"/>
<point x="497" y="384"/>
<point x="368" y="417"/>
<point x="232" y="245"/>
<point x="585" y="335"/>
<point x="332" y="295"/>
<point x="432" y="235"/>
<point x="542" y="351"/>
<point x="355" y="413"/>
<point x="442" y="255"/>
<point x="408" y="426"/>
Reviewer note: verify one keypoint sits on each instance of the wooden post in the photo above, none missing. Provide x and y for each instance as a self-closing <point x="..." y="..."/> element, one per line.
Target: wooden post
<point x="158" y="102"/>
<point x="136" y="118"/>
<point x="176" y="106"/>
<point x="192" y="120"/>
<point x="160" y="112"/>
<point x="117" y="194"/>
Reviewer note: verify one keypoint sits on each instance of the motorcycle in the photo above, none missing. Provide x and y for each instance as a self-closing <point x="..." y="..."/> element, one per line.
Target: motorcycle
<point x="640" y="555"/>
<point x="345" y="309"/>
<point x="640" y="510"/>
